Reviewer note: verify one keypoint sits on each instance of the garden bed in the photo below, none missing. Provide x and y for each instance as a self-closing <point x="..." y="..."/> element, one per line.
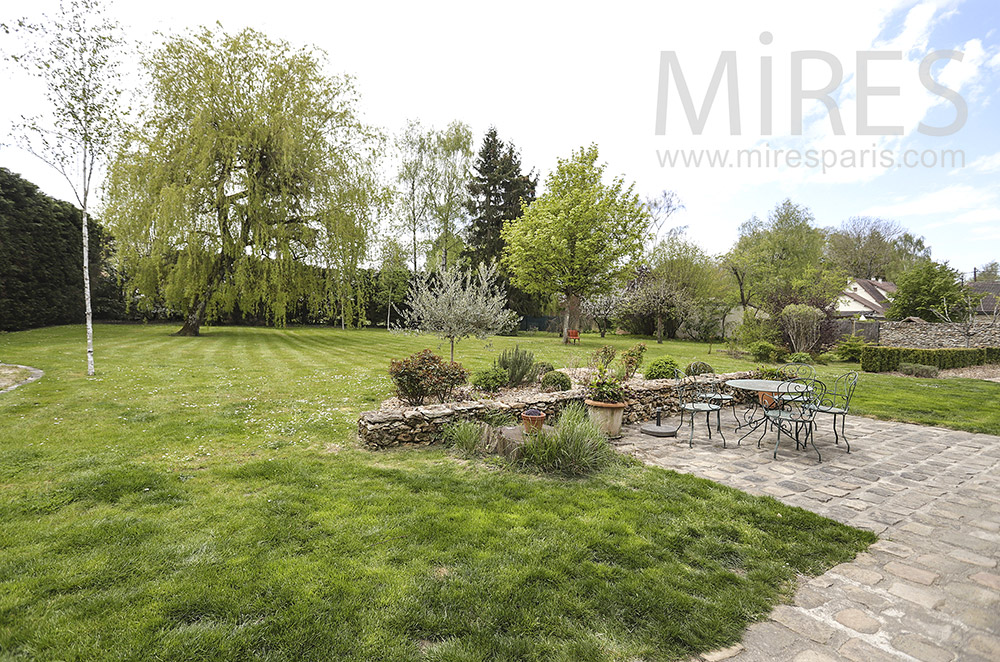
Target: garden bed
<point x="395" y="424"/>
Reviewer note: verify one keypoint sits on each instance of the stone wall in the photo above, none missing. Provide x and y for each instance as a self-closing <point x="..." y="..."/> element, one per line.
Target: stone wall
<point x="423" y="425"/>
<point x="927" y="335"/>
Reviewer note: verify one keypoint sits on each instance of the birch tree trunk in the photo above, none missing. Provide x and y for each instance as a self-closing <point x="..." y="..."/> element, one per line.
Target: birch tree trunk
<point x="86" y="294"/>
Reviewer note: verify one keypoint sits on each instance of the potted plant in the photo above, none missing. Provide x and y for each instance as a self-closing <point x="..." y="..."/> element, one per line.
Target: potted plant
<point x="606" y="403"/>
<point x="532" y="419"/>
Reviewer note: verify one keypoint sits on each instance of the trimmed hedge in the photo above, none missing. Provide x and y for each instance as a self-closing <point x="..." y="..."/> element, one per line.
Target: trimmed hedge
<point x="887" y="359"/>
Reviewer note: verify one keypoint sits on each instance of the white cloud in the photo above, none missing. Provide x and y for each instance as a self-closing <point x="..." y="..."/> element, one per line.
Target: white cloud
<point x="946" y="200"/>
<point x="989" y="163"/>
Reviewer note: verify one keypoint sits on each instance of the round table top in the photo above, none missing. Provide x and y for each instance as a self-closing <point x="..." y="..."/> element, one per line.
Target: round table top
<point x="767" y="385"/>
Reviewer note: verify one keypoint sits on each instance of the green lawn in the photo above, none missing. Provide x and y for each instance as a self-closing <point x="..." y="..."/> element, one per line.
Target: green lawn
<point x="202" y="498"/>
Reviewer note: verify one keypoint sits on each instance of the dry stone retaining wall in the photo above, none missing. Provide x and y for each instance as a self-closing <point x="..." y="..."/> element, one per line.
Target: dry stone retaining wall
<point x="423" y="425"/>
<point x="927" y="335"/>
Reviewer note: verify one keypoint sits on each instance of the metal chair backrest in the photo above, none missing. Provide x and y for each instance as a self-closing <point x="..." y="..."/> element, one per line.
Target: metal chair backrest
<point x="813" y="396"/>
<point x="843" y="390"/>
<point x="700" y="368"/>
<point x="795" y="370"/>
<point x="680" y="386"/>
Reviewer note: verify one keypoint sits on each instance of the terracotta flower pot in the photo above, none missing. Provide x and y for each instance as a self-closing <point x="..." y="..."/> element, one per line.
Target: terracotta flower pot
<point x="607" y="416"/>
<point x="532" y="423"/>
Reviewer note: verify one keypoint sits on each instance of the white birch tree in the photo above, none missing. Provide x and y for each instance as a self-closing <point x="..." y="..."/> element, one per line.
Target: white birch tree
<point x="77" y="54"/>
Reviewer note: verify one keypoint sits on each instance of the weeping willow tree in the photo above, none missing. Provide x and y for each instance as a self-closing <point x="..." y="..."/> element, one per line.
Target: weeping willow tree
<point x="249" y="169"/>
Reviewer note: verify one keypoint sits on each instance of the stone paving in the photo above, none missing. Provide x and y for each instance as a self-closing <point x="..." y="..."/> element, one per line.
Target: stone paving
<point x="929" y="590"/>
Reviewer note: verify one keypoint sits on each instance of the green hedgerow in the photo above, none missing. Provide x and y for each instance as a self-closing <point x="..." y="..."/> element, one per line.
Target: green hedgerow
<point x="850" y="348"/>
<point x="918" y="370"/>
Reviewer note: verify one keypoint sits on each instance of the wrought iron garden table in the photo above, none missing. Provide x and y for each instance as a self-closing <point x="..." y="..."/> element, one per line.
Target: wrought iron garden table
<point x="766" y="389"/>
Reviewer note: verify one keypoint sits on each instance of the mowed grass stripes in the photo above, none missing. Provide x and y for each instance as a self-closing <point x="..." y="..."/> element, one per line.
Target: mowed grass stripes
<point x="204" y="499"/>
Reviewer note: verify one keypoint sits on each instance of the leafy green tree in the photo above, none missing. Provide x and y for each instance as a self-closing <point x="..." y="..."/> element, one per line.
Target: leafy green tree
<point x="989" y="272"/>
<point x="393" y="279"/>
<point x="652" y="293"/>
<point x="875" y="248"/>
<point x="578" y="238"/>
<point x="603" y="309"/>
<point x="77" y="54"/>
<point x="864" y="247"/>
<point x="781" y="261"/>
<point x="909" y="251"/>
<point x="706" y="319"/>
<point x="413" y="200"/>
<point x="448" y="179"/>
<point x="249" y="165"/>
<point x="922" y="289"/>
<point x="676" y="276"/>
<point x="457" y="304"/>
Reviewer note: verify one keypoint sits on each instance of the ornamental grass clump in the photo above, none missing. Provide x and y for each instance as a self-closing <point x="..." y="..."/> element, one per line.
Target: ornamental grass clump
<point x="574" y="447"/>
<point x="466" y="436"/>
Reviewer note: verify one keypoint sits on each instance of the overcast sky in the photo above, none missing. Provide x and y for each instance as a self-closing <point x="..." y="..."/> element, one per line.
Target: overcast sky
<point x="554" y="77"/>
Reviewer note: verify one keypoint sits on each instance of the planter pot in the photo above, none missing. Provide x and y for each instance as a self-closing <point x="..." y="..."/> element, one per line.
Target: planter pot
<point x="532" y="423"/>
<point x="607" y="416"/>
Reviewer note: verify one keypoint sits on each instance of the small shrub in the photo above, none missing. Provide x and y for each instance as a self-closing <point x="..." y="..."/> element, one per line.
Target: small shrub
<point x="574" y="447"/>
<point x="603" y="357"/>
<point x="426" y="374"/>
<point x="544" y="367"/>
<point x="519" y="364"/>
<point x="632" y="359"/>
<point x="466" y="436"/>
<point x="918" y="370"/>
<point x="767" y="372"/>
<point x="490" y="380"/>
<point x="605" y="387"/>
<point x="762" y="350"/>
<point x="662" y="368"/>
<point x="556" y="381"/>
<point x="799" y="357"/>
<point x="850" y="348"/>
<point x="826" y="357"/>
<point x="697" y="368"/>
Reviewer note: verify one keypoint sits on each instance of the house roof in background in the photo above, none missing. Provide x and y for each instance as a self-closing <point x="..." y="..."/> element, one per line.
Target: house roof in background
<point x="992" y="292"/>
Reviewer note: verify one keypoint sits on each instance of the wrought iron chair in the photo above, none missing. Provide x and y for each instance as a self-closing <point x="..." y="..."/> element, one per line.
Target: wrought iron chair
<point x="690" y="406"/>
<point x="838" y="403"/>
<point x="800" y="413"/>
<point x="795" y="371"/>
<point x="712" y="391"/>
